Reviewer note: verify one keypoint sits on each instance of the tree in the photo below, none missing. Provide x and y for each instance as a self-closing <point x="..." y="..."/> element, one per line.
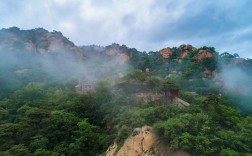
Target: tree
<point x="191" y="132"/>
<point x="19" y="150"/>
<point x="169" y="85"/>
<point x="60" y="129"/>
<point x="8" y="135"/>
<point x="154" y="84"/>
<point x="86" y="141"/>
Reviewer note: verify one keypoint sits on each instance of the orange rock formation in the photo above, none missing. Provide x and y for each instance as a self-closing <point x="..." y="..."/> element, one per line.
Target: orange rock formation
<point x="166" y="52"/>
<point x="143" y="142"/>
<point x="185" y="49"/>
<point x="203" y="54"/>
<point x="114" y="51"/>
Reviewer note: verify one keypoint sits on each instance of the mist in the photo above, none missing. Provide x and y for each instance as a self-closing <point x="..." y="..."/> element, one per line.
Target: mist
<point x="237" y="84"/>
<point x="236" y="79"/>
<point x="61" y="63"/>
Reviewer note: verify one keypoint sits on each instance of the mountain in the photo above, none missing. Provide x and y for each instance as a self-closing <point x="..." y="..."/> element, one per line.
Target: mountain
<point x="49" y="55"/>
<point x="57" y="98"/>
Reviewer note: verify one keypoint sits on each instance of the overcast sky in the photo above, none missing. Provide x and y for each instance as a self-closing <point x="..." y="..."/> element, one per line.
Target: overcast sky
<point x="147" y="25"/>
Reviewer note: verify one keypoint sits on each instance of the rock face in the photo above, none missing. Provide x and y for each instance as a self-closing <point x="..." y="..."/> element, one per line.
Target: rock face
<point x="36" y="40"/>
<point x="203" y="54"/>
<point x="115" y="51"/>
<point x="185" y="49"/>
<point x="124" y="57"/>
<point x="143" y="142"/>
<point x="166" y="53"/>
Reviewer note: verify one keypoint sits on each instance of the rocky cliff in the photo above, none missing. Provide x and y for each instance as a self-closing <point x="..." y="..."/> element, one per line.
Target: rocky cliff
<point x="38" y="40"/>
<point x="143" y="142"/>
<point x="166" y="54"/>
<point x="203" y="54"/>
<point x="115" y="50"/>
<point x="185" y="49"/>
<point x="41" y="41"/>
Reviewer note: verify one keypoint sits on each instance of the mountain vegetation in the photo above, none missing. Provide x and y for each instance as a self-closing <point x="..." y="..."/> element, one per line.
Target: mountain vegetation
<point x="46" y="109"/>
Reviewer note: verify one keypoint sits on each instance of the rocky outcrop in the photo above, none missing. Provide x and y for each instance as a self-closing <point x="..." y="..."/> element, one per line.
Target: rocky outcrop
<point x="143" y="142"/>
<point x="115" y="51"/>
<point x="185" y="49"/>
<point x="203" y="54"/>
<point x="36" y="40"/>
<point x="42" y="41"/>
<point x="166" y="53"/>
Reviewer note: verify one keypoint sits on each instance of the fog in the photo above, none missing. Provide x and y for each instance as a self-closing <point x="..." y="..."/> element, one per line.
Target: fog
<point x="235" y="79"/>
<point x="61" y="63"/>
<point x="237" y="84"/>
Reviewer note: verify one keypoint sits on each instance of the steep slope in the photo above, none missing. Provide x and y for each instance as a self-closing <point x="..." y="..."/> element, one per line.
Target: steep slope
<point x="42" y="41"/>
<point x="201" y="70"/>
<point x="143" y="142"/>
<point x="41" y="112"/>
<point x="36" y="40"/>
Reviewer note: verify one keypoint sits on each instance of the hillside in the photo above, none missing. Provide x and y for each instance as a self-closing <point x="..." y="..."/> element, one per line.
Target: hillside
<point x="57" y="98"/>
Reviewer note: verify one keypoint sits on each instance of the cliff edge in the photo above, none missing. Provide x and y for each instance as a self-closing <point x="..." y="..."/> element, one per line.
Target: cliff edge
<point x="143" y="142"/>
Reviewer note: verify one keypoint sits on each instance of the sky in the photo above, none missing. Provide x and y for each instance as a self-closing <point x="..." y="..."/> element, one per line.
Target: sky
<point x="147" y="25"/>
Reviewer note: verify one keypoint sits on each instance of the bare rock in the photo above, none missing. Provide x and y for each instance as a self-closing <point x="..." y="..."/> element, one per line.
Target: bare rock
<point x="166" y="52"/>
<point x="185" y="49"/>
<point x="114" y="51"/>
<point x="203" y="54"/>
<point x="143" y="142"/>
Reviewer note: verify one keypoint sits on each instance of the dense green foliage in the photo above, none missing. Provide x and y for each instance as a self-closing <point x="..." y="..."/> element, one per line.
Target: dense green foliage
<point x="51" y="120"/>
<point x="209" y="127"/>
<point x="44" y="120"/>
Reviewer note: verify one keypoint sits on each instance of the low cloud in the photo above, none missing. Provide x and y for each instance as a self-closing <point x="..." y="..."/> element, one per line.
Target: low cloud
<point x="236" y="79"/>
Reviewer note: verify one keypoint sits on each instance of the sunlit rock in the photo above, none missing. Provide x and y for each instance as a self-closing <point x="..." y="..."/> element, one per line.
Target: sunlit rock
<point x="203" y="54"/>
<point x="166" y="52"/>
<point x="185" y="49"/>
<point x="143" y="142"/>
